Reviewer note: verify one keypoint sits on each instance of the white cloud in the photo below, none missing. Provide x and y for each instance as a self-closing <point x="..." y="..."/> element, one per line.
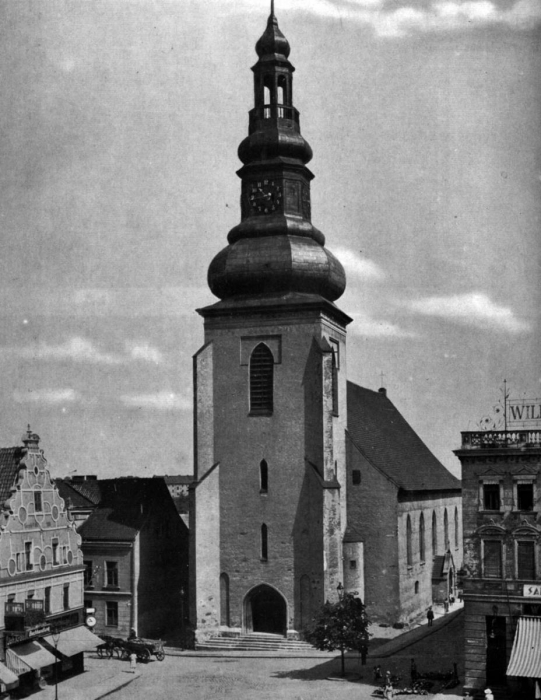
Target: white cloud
<point x="366" y="326"/>
<point x="79" y="349"/>
<point x="357" y="266"/>
<point x="438" y="15"/>
<point x="474" y="308"/>
<point x="145" y="353"/>
<point x="161" y="401"/>
<point x="76" y="349"/>
<point x="47" y="396"/>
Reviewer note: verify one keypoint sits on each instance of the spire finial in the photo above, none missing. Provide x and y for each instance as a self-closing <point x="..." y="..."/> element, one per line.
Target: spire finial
<point x="272" y="8"/>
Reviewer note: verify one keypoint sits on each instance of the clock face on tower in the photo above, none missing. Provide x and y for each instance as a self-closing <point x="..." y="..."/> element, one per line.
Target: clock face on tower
<point x="264" y="196"/>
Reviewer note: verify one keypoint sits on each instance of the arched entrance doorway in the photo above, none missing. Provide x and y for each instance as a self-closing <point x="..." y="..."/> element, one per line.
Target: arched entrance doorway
<point x="265" y="610"/>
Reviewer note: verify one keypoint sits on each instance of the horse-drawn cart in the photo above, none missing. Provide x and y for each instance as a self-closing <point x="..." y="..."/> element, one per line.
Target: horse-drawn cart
<point x="123" y="648"/>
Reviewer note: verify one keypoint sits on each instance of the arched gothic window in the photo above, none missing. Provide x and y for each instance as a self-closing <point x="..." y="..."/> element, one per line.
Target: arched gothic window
<point x="263" y="476"/>
<point x="434" y="534"/>
<point x="261" y="380"/>
<point x="456" y="527"/>
<point x="422" y="537"/>
<point x="446" y="529"/>
<point x="409" y="555"/>
<point x="264" y="543"/>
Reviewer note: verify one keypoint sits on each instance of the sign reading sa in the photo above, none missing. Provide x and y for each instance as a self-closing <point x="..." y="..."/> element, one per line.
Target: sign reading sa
<point x="530" y="591"/>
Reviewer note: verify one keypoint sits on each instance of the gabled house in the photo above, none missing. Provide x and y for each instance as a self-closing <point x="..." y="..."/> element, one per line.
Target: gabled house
<point x="136" y="559"/>
<point x="41" y="571"/>
<point x="404" y="513"/>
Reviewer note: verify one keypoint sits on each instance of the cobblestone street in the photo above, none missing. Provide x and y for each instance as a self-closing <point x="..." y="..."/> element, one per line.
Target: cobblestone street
<point x="209" y="677"/>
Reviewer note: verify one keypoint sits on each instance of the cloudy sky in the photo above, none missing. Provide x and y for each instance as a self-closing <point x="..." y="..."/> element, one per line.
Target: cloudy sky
<point x="119" y="128"/>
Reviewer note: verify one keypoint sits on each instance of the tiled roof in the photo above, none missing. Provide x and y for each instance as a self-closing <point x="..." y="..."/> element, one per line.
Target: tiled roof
<point x="390" y="443"/>
<point x="10" y="458"/>
<point x="72" y="496"/>
<point x="123" y="508"/>
<point x="89" y="489"/>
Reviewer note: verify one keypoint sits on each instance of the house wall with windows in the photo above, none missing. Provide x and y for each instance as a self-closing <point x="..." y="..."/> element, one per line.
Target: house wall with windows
<point x="41" y="563"/>
<point x="501" y="484"/>
<point x="108" y="585"/>
<point x="136" y="559"/>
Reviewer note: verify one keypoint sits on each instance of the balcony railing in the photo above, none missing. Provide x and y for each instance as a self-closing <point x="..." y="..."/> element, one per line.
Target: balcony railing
<point x="22" y="616"/>
<point x="273" y="111"/>
<point x="501" y="439"/>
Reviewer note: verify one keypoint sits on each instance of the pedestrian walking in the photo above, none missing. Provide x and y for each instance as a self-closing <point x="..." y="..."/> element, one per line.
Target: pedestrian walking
<point x="377" y="674"/>
<point x="364" y="653"/>
<point x="430" y="616"/>
<point x="133" y="662"/>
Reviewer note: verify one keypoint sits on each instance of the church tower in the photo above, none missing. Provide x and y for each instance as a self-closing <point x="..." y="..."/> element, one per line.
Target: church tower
<point x="268" y="501"/>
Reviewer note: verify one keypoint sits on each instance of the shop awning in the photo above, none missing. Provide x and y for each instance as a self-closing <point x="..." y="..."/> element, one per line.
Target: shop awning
<point x="525" y="658"/>
<point x="29" y="655"/>
<point x="74" y="641"/>
<point x="8" y="677"/>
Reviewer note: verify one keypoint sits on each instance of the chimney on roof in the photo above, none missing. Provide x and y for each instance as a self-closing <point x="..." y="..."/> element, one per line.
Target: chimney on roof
<point x="382" y="390"/>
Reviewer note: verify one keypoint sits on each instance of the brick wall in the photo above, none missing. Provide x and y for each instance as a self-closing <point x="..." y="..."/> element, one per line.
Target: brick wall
<point x="372" y="512"/>
<point x="293" y="507"/>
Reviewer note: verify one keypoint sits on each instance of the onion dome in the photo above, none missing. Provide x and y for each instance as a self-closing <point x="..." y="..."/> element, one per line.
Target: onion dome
<point x="276" y="265"/>
<point x="272" y="43"/>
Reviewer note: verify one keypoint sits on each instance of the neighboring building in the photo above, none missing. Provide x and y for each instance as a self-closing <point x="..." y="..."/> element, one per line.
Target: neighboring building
<point x="136" y="557"/>
<point x="179" y="487"/>
<point x="404" y="513"/>
<point x="501" y="489"/>
<point x="80" y="494"/>
<point x="279" y="433"/>
<point x="41" y="570"/>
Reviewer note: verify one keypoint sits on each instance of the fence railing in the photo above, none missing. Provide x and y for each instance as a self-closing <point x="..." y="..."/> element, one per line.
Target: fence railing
<point x="490" y="439"/>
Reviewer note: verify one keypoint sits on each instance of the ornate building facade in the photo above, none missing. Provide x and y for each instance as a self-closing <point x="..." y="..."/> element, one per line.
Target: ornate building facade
<point x="41" y="568"/>
<point x="501" y="481"/>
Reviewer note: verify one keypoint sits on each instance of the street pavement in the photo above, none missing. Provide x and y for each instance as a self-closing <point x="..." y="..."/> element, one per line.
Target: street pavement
<point x="99" y="680"/>
<point x="211" y="677"/>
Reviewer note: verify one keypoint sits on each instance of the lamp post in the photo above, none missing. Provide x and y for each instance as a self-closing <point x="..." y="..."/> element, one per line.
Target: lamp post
<point x="55" y="634"/>
<point x="182" y="594"/>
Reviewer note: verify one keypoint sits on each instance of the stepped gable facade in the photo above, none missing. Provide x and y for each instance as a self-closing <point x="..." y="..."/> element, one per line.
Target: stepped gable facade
<point x="40" y="554"/>
<point x="41" y="571"/>
<point x="275" y="524"/>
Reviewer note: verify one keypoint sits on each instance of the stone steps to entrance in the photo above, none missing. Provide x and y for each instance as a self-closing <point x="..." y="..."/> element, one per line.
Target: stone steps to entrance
<point x="257" y="641"/>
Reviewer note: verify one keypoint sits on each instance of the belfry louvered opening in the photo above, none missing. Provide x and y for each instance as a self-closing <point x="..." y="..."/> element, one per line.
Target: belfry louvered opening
<point x="261" y="380"/>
